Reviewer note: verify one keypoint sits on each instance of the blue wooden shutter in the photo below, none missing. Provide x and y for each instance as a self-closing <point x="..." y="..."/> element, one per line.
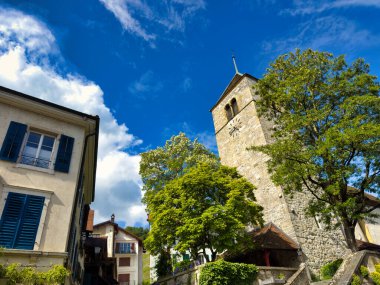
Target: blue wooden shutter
<point x="29" y="222"/>
<point x="65" y="149"/>
<point x="20" y="220"/>
<point x="10" y="218"/>
<point x="13" y="141"/>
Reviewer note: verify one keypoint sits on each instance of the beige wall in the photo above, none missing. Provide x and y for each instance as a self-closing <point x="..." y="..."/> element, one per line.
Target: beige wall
<point x="58" y="188"/>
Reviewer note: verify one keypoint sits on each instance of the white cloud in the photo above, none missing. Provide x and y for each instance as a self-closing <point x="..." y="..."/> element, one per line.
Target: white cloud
<point x="329" y="31"/>
<point x="120" y="10"/>
<point x="25" y="44"/>
<point x="311" y="7"/>
<point x="30" y="33"/>
<point x="139" y="18"/>
<point x="148" y="82"/>
<point x="186" y="84"/>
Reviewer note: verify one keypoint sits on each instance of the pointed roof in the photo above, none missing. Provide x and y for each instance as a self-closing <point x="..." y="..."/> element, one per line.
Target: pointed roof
<point x="109" y="222"/>
<point x="272" y="237"/>
<point x="234" y="81"/>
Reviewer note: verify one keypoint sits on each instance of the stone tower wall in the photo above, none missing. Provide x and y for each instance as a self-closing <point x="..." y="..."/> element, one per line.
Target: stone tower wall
<point x="318" y="244"/>
<point x="233" y="152"/>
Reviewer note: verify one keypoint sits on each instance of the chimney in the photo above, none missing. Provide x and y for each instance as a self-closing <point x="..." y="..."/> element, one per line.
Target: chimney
<point x="112" y="218"/>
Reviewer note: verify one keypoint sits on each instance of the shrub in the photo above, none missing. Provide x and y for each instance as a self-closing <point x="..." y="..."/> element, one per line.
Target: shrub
<point x="377" y="267"/>
<point x="3" y="271"/>
<point x="56" y="275"/>
<point x="375" y="276"/>
<point x="364" y="271"/>
<point x="29" y="276"/>
<point x="328" y="270"/>
<point x="227" y="273"/>
<point x="356" y="280"/>
<point x="182" y="266"/>
<point x="13" y="273"/>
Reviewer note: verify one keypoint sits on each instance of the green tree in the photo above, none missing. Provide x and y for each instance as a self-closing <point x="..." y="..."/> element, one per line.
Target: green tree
<point x="160" y="166"/>
<point x="207" y="207"/>
<point x="138" y="231"/>
<point x="326" y="117"/>
<point x="163" y="164"/>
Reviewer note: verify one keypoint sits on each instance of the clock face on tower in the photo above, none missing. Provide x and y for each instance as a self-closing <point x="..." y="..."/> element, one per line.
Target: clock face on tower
<point x="234" y="127"/>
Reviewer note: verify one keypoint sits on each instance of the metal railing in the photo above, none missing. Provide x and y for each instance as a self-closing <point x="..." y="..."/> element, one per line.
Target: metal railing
<point x="39" y="162"/>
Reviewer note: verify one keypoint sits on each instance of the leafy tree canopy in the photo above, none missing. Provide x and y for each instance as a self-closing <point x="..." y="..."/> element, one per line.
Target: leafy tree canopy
<point x="138" y="231"/>
<point x="207" y="207"/>
<point x="163" y="164"/>
<point x="326" y="116"/>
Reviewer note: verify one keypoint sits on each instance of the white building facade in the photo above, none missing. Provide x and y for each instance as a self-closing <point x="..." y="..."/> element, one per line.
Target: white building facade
<point x="46" y="150"/>
<point x="126" y="248"/>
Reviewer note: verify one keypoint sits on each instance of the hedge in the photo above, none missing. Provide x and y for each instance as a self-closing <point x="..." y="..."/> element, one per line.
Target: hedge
<point x="227" y="273"/>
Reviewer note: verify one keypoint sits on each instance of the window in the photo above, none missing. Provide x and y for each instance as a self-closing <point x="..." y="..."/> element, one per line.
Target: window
<point x="234" y="105"/>
<point x="124" y="261"/>
<point x="124" y="279"/>
<point x="125" y="247"/>
<point x="20" y="220"/>
<point x="38" y="148"/>
<point x="231" y="109"/>
<point x="228" y="112"/>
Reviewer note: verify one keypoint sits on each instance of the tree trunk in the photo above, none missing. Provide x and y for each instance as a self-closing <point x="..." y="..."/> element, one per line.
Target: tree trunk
<point x="213" y="256"/>
<point x="349" y="233"/>
<point x="205" y="255"/>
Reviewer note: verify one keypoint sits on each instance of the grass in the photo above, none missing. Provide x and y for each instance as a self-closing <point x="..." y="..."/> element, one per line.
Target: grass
<point x="146" y="268"/>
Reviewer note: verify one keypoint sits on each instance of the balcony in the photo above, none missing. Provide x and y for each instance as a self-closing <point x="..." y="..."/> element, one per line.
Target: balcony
<point x="125" y="248"/>
<point x="38" y="162"/>
<point x="125" y="251"/>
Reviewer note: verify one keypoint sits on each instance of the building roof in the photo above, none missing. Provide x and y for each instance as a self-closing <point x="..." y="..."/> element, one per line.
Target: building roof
<point x="370" y="199"/>
<point x="47" y="103"/>
<point x="272" y="237"/>
<point x="118" y="229"/>
<point x="234" y="81"/>
<point x="362" y="245"/>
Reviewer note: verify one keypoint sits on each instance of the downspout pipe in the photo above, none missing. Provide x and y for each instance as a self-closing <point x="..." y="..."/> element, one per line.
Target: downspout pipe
<point x="79" y="184"/>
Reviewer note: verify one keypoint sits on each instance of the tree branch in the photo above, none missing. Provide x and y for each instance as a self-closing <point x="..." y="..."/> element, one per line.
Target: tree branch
<point x="313" y="193"/>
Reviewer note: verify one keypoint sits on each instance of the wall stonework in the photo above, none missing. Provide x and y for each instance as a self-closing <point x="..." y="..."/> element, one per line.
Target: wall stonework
<point x="318" y="244"/>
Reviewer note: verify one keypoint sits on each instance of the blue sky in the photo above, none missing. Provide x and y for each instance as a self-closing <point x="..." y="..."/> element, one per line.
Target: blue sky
<point x="153" y="68"/>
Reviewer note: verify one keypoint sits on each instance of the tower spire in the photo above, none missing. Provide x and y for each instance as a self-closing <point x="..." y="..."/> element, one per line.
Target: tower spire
<point x="234" y="61"/>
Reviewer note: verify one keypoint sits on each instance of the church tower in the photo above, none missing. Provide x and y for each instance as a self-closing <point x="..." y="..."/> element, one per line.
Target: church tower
<point x="238" y="127"/>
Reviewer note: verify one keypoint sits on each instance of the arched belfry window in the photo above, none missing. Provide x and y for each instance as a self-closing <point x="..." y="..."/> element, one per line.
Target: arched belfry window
<point x="228" y="112"/>
<point x="235" y="108"/>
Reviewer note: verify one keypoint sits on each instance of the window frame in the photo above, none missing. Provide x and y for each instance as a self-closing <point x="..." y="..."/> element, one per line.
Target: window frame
<point x="53" y="156"/>
<point x="43" y="134"/>
<point x="30" y="191"/>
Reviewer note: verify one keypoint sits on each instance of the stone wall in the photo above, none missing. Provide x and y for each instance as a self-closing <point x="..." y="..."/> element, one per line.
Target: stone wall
<point x="233" y="152"/>
<point x="191" y="276"/>
<point x="318" y="245"/>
